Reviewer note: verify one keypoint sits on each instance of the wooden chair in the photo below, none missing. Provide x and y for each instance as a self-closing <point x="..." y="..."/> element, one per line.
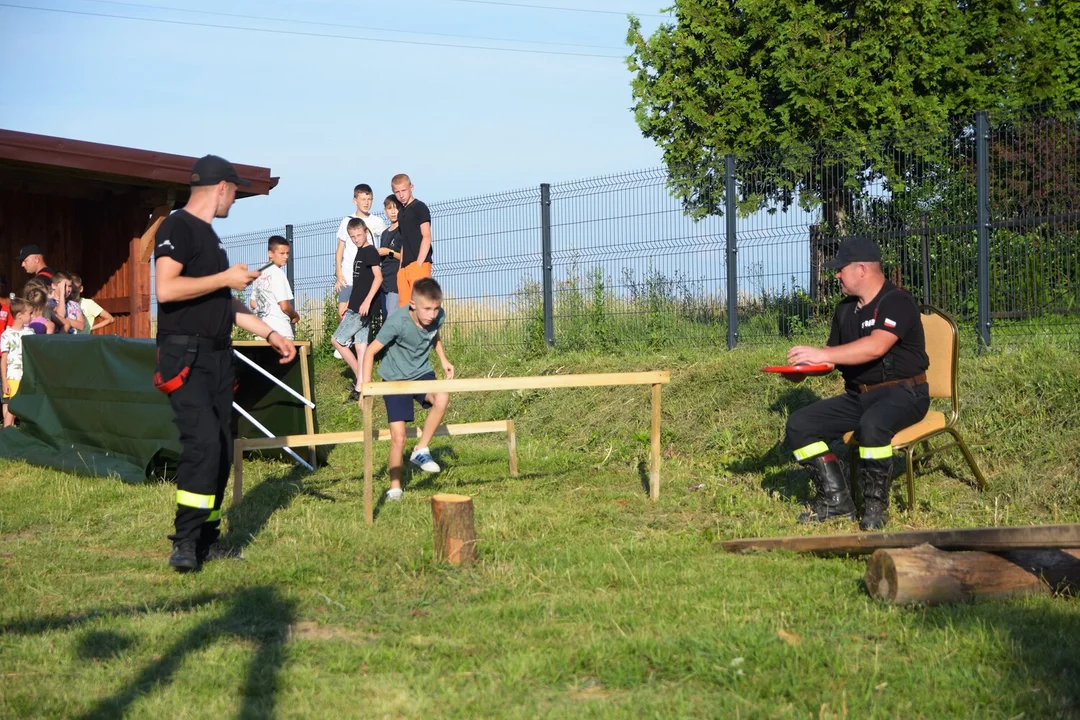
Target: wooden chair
<point x="943" y="348"/>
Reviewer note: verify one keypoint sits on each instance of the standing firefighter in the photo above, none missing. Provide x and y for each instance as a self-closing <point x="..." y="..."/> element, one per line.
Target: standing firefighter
<point x="877" y="343"/>
<point x="196" y="311"/>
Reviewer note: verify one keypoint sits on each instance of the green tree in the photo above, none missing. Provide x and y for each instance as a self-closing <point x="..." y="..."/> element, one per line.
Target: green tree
<point x="804" y="91"/>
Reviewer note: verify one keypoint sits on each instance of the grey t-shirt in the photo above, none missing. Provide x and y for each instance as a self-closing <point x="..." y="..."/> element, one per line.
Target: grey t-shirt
<point x="407" y="346"/>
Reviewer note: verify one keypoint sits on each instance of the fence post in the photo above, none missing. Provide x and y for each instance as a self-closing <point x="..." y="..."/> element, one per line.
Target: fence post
<point x="732" y="267"/>
<point x="545" y="238"/>
<point x="289" y="271"/>
<point x="982" y="184"/>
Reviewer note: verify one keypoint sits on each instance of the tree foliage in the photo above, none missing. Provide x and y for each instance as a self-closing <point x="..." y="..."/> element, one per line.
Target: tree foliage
<point x="806" y="92"/>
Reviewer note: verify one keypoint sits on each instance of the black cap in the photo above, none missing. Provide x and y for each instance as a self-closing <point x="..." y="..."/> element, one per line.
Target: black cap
<point x="29" y="250"/>
<point x="855" y="250"/>
<point x="211" y="169"/>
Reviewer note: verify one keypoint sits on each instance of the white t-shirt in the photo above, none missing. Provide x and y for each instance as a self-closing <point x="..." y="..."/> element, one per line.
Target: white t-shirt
<point x="374" y="223"/>
<point x="270" y="289"/>
<point x="11" y="344"/>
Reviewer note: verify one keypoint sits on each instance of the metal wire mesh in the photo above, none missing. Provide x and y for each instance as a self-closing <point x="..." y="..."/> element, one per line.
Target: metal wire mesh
<point x="629" y="268"/>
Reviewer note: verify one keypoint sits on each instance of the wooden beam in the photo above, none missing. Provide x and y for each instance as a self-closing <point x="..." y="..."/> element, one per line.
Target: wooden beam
<point x="654" y="447"/>
<point x="309" y="414"/>
<point x="263" y="343"/>
<point x="991" y="539"/>
<point x="511" y="447"/>
<point x="416" y="387"/>
<point x="146" y="242"/>
<point x="357" y="436"/>
<point x="369" y="461"/>
<point x="122" y="305"/>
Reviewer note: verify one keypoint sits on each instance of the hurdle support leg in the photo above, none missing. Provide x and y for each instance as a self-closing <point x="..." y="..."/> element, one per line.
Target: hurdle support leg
<point x="654" y="452"/>
<point x="238" y="471"/>
<point x="369" y="463"/>
<point x="511" y="447"/>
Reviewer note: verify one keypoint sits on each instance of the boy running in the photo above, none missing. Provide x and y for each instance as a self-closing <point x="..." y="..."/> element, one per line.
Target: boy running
<point x="408" y="338"/>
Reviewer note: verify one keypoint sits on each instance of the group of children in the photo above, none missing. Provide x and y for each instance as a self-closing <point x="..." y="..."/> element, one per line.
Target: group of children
<point x="52" y="303"/>
<point x="379" y="269"/>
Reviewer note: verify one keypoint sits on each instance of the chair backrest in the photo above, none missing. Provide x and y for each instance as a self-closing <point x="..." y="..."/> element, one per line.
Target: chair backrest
<point x="942" y="347"/>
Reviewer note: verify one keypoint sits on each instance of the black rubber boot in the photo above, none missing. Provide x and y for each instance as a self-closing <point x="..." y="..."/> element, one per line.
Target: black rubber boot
<point x="833" y="499"/>
<point x="183" y="556"/>
<point x="876" y="483"/>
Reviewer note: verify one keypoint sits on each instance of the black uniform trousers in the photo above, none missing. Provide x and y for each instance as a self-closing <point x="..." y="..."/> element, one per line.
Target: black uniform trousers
<point x="875" y="416"/>
<point x="203" y="407"/>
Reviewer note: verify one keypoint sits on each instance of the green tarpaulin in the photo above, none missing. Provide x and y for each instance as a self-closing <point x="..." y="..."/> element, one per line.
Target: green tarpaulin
<point x="87" y="404"/>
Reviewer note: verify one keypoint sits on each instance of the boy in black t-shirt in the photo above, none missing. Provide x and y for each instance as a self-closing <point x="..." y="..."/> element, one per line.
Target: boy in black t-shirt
<point x="390" y="252"/>
<point x="366" y="284"/>
<point x="878" y="344"/>
<point x="417" y="253"/>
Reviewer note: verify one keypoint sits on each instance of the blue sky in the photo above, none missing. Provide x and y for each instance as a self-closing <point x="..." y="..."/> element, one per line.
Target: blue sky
<point x="326" y="113"/>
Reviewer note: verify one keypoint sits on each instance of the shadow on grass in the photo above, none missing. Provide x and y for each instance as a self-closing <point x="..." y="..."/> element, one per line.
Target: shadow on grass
<point x="250" y="516"/>
<point x="1041" y="657"/>
<point x="257" y="614"/>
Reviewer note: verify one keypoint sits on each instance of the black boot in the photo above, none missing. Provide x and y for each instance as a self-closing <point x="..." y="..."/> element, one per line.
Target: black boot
<point x="833" y="499"/>
<point x="183" y="556"/>
<point x="876" y="483"/>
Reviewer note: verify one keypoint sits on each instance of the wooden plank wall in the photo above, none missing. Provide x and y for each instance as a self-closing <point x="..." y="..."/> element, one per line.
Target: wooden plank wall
<point x="91" y="237"/>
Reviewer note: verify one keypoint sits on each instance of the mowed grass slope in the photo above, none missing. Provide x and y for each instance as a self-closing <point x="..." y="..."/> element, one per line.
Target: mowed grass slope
<point x="588" y="600"/>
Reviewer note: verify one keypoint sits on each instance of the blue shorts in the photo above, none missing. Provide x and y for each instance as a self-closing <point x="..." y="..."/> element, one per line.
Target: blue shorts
<point x="344" y="293"/>
<point x="353" y="329"/>
<point x="399" y="408"/>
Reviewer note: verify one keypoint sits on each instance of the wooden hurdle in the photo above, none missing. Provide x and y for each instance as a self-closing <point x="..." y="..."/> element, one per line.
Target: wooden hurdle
<point x="657" y="379"/>
<point x="241" y="445"/>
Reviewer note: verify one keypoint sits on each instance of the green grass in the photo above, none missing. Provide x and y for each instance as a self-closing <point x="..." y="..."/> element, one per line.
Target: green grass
<point x="588" y="599"/>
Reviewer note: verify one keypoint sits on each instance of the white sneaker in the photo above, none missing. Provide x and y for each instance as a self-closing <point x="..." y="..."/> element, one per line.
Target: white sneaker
<point x="422" y="459"/>
<point x="394" y="494"/>
<point x="338" y="354"/>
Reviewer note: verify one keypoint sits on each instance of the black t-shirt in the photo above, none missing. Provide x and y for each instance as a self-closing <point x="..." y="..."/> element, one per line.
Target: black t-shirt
<point x="194" y="244"/>
<point x="45" y="272"/>
<point x="367" y="257"/>
<point x="390" y="239"/>
<point x="893" y="310"/>
<point x="411" y="217"/>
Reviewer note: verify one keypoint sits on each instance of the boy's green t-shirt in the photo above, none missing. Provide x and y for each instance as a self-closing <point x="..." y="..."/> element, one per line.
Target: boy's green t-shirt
<point x="407" y="346"/>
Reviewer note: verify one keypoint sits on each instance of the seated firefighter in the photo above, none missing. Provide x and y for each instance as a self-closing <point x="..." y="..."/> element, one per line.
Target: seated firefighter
<point x="877" y="342"/>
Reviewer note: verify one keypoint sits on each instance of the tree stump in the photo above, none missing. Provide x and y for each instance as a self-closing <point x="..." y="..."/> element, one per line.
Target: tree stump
<point x="924" y="574"/>
<point x="455" y="534"/>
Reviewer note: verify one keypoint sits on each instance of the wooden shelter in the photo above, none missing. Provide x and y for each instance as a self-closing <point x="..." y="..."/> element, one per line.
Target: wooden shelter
<point x="94" y="209"/>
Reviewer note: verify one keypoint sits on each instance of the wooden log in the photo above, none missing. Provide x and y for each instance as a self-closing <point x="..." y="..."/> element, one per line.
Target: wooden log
<point x="924" y="574"/>
<point x="989" y="539"/>
<point x="455" y="534"/>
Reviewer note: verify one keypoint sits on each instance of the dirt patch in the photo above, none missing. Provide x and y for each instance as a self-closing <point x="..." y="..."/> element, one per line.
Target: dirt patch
<point x="308" y="630"/>
<point x="21" y="535"/>
<point x="591" y="691"/>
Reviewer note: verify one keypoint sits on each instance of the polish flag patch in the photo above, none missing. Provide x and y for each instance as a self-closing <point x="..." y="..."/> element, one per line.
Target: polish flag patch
<point x="890" y="323"/>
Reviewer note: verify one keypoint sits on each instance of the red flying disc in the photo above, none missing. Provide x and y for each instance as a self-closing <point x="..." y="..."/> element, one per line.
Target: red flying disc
<point x="805" y="369"/>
